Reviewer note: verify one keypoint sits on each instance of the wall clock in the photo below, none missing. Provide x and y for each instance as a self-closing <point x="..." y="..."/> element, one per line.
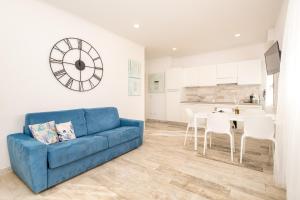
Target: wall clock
<point x="76" y="64"/>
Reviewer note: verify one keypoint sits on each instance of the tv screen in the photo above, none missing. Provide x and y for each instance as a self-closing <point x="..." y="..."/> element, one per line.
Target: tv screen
<point x="272" y="57"/>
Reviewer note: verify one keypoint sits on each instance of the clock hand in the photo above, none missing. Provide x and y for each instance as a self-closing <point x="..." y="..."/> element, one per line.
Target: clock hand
<point x="80" y="54"/>
<point x="68" y="63"/>
<point x="94" y="67"/>
<point x="80" y="76"/>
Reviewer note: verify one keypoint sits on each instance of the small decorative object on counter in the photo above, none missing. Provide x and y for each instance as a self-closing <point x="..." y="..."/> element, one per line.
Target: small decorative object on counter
<point x="251" y="98"/>
<point x="237" y="111"/>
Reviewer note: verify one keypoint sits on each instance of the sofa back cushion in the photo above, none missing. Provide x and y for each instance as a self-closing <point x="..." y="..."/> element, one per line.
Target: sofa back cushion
<point x="101" y="119"/>
<point x="75" y="116"/>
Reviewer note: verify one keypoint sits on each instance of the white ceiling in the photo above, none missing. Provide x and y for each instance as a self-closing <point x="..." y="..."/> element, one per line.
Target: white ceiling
<point x="193" y="26"/>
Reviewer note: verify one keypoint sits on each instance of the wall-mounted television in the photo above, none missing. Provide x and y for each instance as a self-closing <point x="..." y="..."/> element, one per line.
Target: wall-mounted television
<point x="273" y="56"/>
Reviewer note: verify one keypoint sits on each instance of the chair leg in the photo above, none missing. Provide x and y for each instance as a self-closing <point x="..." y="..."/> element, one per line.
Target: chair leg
<point x="205" y="142"/>
<point x="242" y="149"/>
<point x="274" y="145"/>
<point x="186" y="134"/>
<point x="210" y="136"/>
<point x="233" y="142"/>
<point x="231" y="147"/>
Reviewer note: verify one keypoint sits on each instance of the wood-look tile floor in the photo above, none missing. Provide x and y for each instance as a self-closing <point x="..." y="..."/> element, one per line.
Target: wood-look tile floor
<point x="160" y="169"/>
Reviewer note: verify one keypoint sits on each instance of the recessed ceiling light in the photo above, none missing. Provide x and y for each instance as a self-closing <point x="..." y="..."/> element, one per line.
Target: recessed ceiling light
<point x="136" y="26"/>
<point x="237" y="35"/>
<point x="174" y="49"/>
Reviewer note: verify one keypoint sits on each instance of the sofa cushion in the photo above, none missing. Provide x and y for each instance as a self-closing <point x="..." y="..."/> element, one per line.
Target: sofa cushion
<point x="45" y="133"/>
<point x="75" y="116"/>
<point x="101" y="119"/>
<point x="65" y="131"/>
<point x="65" y="152"/>
<point x="120" y="135"/>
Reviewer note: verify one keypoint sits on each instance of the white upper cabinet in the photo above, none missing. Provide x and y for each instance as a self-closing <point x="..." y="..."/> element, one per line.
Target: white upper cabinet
<point x="174" y="79"/>
<point x="249" y="72"/>
<point x="200" y="76"/>
<point x="227" y="73"/>
<point x="244" y="73"/>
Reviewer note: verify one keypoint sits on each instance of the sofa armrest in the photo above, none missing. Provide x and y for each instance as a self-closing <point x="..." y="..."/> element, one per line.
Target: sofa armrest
<point x="28" y="158"/>
<point x="137" y="123"/>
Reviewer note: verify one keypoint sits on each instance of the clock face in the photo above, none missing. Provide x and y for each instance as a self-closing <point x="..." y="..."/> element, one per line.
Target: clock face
<point x="76" y="64"/>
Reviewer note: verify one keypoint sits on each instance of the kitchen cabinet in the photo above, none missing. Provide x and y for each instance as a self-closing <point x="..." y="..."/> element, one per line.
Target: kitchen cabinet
<point x="249" y="72"/>
<point x="227" y="73"/>
<point x="174" y="78"/>
<point x="200" y="76"/>
<point x="173" y="106"/>
<point x="156" y="106"/>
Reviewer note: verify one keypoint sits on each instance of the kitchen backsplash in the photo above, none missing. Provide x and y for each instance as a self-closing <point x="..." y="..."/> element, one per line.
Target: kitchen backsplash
<point x="230" y="93"/>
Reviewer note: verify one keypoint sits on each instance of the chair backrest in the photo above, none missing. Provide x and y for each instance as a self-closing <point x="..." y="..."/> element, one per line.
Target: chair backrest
<point x="190" y="114"/>
<point x="218" y="123"/>
<point x="260" y="127"/>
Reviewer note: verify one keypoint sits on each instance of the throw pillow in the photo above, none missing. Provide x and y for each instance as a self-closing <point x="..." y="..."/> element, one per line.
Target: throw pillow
<point x="65" y="131"/>
<point x="45" y="132"/>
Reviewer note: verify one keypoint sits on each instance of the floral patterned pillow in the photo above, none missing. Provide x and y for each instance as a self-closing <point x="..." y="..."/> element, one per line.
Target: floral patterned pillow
<point x="65" y="131"/>
<point x="45" y="132"/>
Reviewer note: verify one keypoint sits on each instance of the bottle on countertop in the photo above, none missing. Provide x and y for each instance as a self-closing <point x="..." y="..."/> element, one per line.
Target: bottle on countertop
<point x="237" y="110"/>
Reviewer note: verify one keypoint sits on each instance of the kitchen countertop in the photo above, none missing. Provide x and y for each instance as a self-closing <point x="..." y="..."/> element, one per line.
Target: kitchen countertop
<point x="227" y="103"/>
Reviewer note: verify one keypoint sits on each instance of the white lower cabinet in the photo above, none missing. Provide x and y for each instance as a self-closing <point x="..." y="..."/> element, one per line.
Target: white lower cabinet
<point x="173" y="106"/>
<point x="156" y="106"/>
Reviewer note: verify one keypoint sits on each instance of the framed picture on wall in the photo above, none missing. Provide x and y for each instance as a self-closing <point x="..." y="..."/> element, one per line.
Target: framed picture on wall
<point x="134" y="78"/>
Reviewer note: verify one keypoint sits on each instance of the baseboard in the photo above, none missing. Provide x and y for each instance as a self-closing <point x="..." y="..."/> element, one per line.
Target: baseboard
<point x="5" y="171"/>
<point x="165" y="121"/>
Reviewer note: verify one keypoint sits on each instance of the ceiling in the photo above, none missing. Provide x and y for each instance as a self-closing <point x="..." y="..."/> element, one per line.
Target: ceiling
<point x="192" y="26"/>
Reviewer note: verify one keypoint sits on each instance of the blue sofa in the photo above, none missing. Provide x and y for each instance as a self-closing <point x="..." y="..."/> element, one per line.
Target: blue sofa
<point x="101" y="136"/>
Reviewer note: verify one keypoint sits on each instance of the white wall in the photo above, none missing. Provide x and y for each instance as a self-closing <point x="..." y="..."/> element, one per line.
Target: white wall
<point x="229" y="55"/>
<point x="279" y="26"/>
<point x="255" y="51"/>
<point x="29" y="29"/>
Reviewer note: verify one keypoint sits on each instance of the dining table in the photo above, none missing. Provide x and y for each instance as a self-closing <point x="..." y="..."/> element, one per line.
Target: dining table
<point x="232" y="116"/>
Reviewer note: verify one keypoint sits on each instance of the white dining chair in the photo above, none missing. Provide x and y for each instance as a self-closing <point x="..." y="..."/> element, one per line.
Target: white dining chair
<point x="219" y="123"/>
<point x="201" y="123"/>
<point x="258" y="127"/>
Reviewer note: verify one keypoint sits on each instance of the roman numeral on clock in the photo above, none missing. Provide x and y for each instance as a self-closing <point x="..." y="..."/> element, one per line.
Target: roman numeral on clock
<point x="91" y="84"/>
<point x="96" y="58"/>
<point x="99" y="68"/>
<point x="81" y="88"/>
<point x="69" y="83"/>
<point x="67" y="41"/>
<point x="97" y="77"/>
<point x="59" y="74"/>
<point x="52" y="60"/>
<point x="79" y="44"/>
<point x="58" y="49"/>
